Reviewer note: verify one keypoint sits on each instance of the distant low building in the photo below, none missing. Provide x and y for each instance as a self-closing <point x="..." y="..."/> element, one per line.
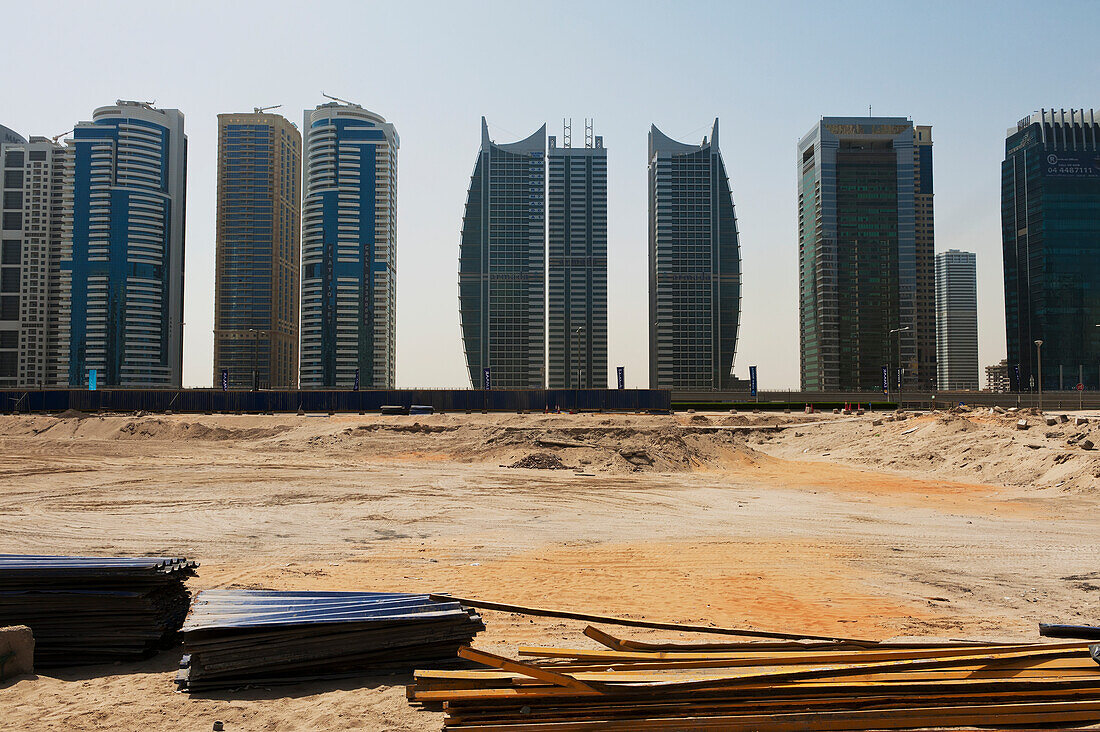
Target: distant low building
<point x="998" y="378"/>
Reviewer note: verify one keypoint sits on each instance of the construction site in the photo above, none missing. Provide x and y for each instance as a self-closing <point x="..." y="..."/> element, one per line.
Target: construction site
<point x="599" y="570"/>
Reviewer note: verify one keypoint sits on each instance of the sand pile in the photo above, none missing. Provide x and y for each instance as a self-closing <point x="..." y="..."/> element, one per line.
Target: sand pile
<point x="960" y="444"/>
<point x="540" y="461"/>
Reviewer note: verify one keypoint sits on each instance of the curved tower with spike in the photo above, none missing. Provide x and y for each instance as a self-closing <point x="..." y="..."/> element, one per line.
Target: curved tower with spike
<point x="694" y="266"/>
<point x="502" y="264"/>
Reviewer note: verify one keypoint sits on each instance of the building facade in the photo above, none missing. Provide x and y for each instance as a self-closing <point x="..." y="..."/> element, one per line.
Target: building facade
<point x="1050" y="232"/>
<point x="349" y="249"/>
<point x="956" y="320"/>
<point x="258" y="250"/>
<point x="10" y="136"/>
<point x="694" y="266"/>
<point x="998" y="378"/>
<point x="866" y="282"/>
<point x="31" y="328"/>
<point x="577" y="265"/>
<point x="122" y="267"/>
<point x="502" y="264"/>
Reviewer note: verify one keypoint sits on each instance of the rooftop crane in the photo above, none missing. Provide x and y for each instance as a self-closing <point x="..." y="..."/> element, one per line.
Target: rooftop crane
<point x="261" y="110"/>
<point x="338" y="99"/>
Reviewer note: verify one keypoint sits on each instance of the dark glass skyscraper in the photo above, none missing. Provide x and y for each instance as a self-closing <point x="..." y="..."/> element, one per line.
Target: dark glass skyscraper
<point x="259" y="230"/>
<point x="1050" y="230"/>
<point x="577" y="269"/>
<point x="694" y="266"/>
<point x="866" y="268"/>
<point x="502" y="264"/>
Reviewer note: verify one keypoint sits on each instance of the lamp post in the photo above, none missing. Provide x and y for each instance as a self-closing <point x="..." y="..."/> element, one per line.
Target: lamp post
<point x="1039" y="371"/>
<point x="899" y="331"/>
<point x="255" y="347"/>
<point x="577" y="332"/>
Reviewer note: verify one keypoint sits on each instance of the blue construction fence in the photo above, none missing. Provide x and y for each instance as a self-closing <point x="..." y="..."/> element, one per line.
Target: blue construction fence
<point x="370" y="400"/>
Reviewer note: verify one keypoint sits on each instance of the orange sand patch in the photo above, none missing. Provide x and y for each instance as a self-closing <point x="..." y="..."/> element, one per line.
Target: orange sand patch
<point x="768" y="585"/>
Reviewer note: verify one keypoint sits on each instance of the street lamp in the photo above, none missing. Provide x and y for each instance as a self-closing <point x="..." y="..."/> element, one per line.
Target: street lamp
<point x="577" y="332"/>
<point x="899" y="331"/>
<point x="1039" y="354"/>
<point x="255" y="348"/>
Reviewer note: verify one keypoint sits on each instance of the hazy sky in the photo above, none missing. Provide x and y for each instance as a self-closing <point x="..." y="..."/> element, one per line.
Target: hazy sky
<point x="767" y="70"/>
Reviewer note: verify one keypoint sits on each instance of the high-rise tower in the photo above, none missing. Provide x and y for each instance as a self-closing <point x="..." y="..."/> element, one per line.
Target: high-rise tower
<point x="258" y="235"/>
<point x="31" y="328"/>
<point x="1050" y="232"/>
<point x="122" y="271"/>
<point x="577" y="267"/>
<point x="865" y="254"/>
<point x="956" y="320"/>
<point x="349" y="248"/>
<point x="502" y="264"/>
<point x="694" y="266"/>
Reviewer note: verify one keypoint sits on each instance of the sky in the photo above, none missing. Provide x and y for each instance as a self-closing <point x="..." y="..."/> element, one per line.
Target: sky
<point x="768" y="71"/>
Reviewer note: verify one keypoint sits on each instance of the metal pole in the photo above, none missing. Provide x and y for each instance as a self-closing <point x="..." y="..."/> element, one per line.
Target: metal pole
<point x="1039" y="354"/>
<point x="901" y="404"/>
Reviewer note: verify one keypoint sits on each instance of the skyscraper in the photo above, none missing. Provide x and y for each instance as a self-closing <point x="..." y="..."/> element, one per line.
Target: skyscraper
<point x="1050" y="231"/>
<point x="502" y="264"/>
<point x="865" y="254"/>
<point x="694" y="266"/>
<point x="349" y="248"/>
<point x="924" y="241"/>
<point x="577" y="268"/>
<point x="122" y="272"/>
<point x="259" y="225"/>
<point x="31" y="328"/>
<point x="956" y="320"/>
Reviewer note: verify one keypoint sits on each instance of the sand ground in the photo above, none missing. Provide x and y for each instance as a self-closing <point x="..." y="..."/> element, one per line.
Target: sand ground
<point x="946" y="525"/>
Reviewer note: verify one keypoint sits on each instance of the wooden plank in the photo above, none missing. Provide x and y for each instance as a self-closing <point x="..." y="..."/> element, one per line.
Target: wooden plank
<point x="612" y="620"/>
<point x="731" y="658"/>
<point x="687" y="708"/>
<point x="833" y="670"/>
<point x="537" y="694"/>
<point x="527" y="669"/>
<point x="622" y="644"/>
<point x="941" y="716"/>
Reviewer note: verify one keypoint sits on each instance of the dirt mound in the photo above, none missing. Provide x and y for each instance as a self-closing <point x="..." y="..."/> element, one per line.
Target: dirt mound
<point x="540" y="461"/>
<point x="982" y="446"/>
<point x="73" y="414"/>
<point x="159" y="429"/>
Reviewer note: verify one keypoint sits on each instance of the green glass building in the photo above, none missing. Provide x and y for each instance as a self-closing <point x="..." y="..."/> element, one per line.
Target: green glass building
<point x="1050" y="226"/>
<point x="866" y="267"/>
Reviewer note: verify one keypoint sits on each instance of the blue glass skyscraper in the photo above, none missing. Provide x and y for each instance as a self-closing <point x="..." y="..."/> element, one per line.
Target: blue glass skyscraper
<point x="122" y="275"/>
<point x="349" y="248"/>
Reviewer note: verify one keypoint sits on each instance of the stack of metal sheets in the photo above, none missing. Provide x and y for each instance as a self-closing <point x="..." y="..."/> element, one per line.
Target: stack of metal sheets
<point x="237" y="638"/>
<point x="86" y="610"/>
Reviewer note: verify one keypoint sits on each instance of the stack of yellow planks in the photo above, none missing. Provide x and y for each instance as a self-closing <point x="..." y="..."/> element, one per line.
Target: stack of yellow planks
<point x="775" y="685"/>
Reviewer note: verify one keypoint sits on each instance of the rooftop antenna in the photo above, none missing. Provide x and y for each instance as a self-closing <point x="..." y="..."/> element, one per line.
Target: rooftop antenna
<point x="338" y="99"/>
<point x="567" y="133"/>
<point x="588" y="131"/>
<point x="261" y="110"/>
<point x="868" y="110"/>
